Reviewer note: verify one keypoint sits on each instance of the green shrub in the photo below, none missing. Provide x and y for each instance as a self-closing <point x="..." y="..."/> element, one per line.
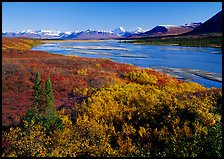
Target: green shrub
<point x="51" y="122"/>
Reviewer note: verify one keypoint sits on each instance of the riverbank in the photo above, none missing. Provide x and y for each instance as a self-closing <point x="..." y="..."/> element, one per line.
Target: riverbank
<point x="149" y="56"/>
<point x="192" y="41"/>
<point x="179" y="73"/>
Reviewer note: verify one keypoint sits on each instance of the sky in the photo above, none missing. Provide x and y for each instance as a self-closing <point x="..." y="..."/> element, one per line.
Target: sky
<point x="73" y="16"/>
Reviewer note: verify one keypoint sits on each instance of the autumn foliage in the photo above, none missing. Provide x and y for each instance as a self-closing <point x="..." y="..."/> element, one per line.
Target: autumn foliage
<point x="107" y="109"/>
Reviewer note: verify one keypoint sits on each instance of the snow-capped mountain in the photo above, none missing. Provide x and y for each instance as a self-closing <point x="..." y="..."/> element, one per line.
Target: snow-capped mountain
<point x="53" y="33"/>
<point x="64" y="35"/>
<point x="91" y="34"/>
<point x="124" y="33"/>
<point x="138" y="30"/>
<point x="118" y="31"/>
<point x="28" y="31"/>
<point x="87" y="34"/>
<point x="40" y="34"/>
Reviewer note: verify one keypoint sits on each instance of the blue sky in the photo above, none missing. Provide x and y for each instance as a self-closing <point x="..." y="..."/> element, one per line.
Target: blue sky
<point x="72" y="16"/>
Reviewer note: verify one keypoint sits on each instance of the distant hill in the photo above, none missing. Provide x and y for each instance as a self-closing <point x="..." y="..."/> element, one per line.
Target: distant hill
<point x="166" y="30"/>
<point x="162" y="30"/>
<point x="214" y="24"/>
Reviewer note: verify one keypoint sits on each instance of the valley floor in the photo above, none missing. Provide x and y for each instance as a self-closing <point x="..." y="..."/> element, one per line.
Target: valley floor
<point x="104" y="109"/>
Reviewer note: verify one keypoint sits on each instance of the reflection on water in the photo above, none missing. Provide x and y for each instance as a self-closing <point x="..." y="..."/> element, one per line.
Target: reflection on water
<point x="196" y="58"/>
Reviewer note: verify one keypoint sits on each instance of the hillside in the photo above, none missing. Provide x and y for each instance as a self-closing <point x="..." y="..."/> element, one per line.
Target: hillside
<point x="104" y="109"/>
<point x="164" y="31"/>
<point x="214" y="24"/>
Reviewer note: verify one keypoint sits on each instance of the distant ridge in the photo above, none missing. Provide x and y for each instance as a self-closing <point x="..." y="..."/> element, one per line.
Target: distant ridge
<point x="164" y="30"/>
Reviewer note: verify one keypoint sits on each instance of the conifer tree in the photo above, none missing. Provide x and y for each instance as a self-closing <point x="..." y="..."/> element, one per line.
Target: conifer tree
<point x="38" y="94"/>
<point x="52" y="120"/>
<point x="49" y="97"/>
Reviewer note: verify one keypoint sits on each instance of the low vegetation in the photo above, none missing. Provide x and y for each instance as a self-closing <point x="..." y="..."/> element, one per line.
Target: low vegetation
<point x="19" y="43"/>
<point x="79" y="107"/>
<point x="181" y="41"/>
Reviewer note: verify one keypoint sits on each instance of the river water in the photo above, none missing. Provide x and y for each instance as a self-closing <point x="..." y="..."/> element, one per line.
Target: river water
<point x="186" y="63"/>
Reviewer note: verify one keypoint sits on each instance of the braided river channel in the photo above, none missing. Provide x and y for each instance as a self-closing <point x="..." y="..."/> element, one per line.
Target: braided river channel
<point x="197" y="64"/>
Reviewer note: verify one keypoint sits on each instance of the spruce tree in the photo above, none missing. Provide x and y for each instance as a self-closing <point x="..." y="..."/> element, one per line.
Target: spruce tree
<point x="52" y="120"/>
<point x="49" y="97"/>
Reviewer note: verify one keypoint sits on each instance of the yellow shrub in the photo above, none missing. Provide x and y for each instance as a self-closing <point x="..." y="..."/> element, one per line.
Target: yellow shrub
<point x="142" y="77"/>
<point x="83" y="71"/>
<point x="31" y="142"/>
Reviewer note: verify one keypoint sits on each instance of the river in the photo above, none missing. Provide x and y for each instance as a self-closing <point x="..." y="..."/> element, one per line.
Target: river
<point x="198" y="64"/>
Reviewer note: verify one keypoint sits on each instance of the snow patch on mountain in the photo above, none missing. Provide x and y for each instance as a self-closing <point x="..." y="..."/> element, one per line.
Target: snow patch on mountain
<point x="28" y="31"/>
<point x="167" y="26"/>
<point x="67" y="32"/>
<point x="49" y="32"/>
<point x="191" y="25"/>
<point x="119" y="31"/>
<point x="138" y="30"/>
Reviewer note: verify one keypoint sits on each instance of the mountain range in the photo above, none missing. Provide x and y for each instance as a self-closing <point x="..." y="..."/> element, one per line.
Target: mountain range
<point x="87" y="34"/>
<point x="213" y="24"/>
<point x="117" y="33"/>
